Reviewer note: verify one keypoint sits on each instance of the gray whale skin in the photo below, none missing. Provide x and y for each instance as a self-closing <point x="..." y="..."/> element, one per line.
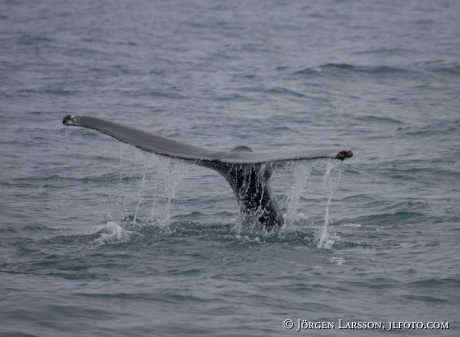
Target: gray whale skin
<point x="247" y="172"/>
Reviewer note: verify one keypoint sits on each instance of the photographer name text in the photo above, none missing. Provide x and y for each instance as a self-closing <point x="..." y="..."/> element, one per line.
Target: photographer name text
<point x="303" y="324"/>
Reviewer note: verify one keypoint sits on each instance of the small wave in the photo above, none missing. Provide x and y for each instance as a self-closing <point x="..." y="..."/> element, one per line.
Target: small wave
<point x="338" y="260"/>
<point x="345" y="68"/>
<point x="112" y="232"/>
<point x="382" y="69"/>
<point x="28" y="39"/>
<point x="272" y="91"/>
<point x="440" y="66"/>
<point x="379" y="120"/>
<point x="285" y="91"/>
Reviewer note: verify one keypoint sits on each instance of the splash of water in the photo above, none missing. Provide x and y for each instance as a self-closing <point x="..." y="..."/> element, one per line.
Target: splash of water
<point x="154" y="181"/>
<point x="112" y="232"/>
<point x="172" y="172"/>
<point x="145" y="188"/>
<point x="302" y="171"/>
<point x="141" y="188"/>
<point x="327" y="239"/>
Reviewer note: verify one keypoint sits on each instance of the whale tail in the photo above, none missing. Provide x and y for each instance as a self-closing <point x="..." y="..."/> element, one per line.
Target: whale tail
<point x="247" y="172"/>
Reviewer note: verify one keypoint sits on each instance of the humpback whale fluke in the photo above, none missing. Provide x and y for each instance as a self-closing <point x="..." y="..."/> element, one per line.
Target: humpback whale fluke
<point x="247" y="172"/>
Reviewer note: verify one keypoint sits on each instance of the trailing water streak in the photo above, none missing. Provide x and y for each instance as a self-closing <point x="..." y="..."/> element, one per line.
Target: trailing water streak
<point x="331" y="186"/>
<point x="302" y="171"/>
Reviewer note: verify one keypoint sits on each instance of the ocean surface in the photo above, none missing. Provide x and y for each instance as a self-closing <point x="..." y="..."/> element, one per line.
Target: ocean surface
<point x="98" y="238"/>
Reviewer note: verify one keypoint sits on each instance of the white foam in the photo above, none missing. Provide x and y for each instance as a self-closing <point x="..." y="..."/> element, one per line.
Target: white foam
<point x="112" y="232"/>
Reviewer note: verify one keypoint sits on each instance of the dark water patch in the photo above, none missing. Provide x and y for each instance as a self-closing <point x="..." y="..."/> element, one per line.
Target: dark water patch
<point x="152" y="93"/>
<point x="298" y="238"/>
<point x="435" y="283"/>
<point x="58" y="92"/>
<point x="285" y="92"/>
<point x="338" y="66"/>
<point x="352" y="71"/>
<point x="232" y="98"/>
<point x="441" y="67"/>
<point x="376" y="283"/>
<point x="274" y="93"/>
<point x="443" y="128"/>
<point x="386" y="52"/>
<point x="401" y="217"/>
<point x="106" y="177"/>
<point x="120" y="296"/>
<point x="426" y="299"/>
<point x="343" y="244"/>
<point x="38" y="92"/>
<point x="407" y="206"/>
<point x="7" y="229"/>
<point x="34" y="40"/>
<point x="377" y="70"/>
<point x="379" y="120"/>
<point x="20" y="334"/>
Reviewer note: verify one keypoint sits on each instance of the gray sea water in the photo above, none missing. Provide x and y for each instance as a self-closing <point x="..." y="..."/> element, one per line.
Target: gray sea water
<point x="100" y="239"/>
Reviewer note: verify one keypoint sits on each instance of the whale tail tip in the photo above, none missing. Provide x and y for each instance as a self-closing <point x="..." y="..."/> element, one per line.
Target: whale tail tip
<point x="342" y="155"/>
<point x="69" y="120"/>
